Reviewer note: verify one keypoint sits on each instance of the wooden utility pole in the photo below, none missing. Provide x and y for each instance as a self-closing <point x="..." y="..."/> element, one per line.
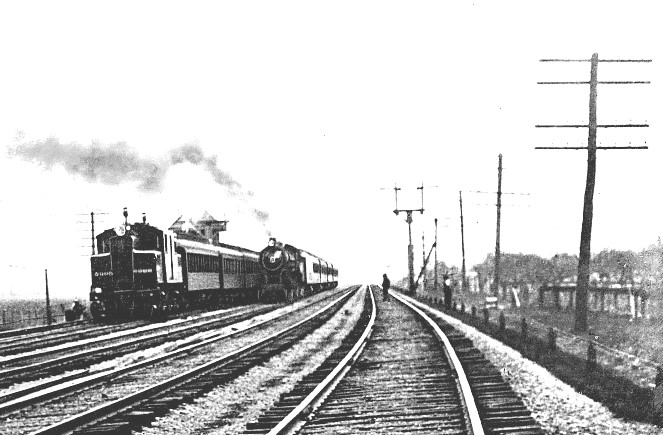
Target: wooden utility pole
<point x="423" y="259"/>
<point x="497" y="237"/>
<point x="462" y="242"/>
<point x="92" y="221"/>
<point x="49" y="316"/>
<point x="584" y="258"/>
<point x="435" y="269"/>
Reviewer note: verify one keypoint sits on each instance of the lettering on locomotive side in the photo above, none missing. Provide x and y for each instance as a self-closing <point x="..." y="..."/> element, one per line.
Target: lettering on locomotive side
<point x="107" y="273"/>
<point x="136" y="271"/>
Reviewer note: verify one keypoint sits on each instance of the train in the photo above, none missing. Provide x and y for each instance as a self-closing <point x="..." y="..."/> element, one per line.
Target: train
<point x="141" y="271"/>
<point x="291" y="273"/>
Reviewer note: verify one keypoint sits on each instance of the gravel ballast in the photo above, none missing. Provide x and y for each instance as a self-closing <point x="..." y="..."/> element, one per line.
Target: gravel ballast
<point x="228" y="408"/>
<point x="554" y="404"/>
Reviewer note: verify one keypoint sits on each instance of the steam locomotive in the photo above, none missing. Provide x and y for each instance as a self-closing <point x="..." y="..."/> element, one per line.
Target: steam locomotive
<point x="292" y="273"/>
<point x="142" y="271"/>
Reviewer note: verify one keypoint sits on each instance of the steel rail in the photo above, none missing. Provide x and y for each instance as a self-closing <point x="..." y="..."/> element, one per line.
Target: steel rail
<point x="157" y="331"/>
<point x="20" y="332"/>
<point x="475" y="425"/>
<point x="53" y="338"/>
<point x="321" y="390"/>
<point x="117" y="406"/>
<point x="34" y="395"/>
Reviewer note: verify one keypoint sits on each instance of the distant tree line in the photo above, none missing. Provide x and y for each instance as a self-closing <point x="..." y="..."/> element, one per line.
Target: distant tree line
<point x="643" y="269"/>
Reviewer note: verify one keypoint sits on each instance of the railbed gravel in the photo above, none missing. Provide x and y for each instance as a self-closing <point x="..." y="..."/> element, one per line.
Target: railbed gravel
<point x="24" y="419"/>
<point x="228" y="408"/>
<point x="554" y="404"/>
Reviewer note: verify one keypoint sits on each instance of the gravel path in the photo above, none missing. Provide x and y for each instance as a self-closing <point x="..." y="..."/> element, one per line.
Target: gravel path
<point x="554" y="404"/>
<point x="228" y="408"/>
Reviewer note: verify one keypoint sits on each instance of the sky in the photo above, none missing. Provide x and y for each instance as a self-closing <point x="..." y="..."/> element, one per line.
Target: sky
<point x="297" y="119"/>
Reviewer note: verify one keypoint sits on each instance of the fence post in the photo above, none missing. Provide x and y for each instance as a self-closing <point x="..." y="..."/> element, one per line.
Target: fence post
<point x="523" y="327"/>
<point x="552" y="338"/>
<point x="591" y="358"/>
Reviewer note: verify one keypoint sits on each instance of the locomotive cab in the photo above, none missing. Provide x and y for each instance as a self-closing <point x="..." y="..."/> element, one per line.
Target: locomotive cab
<point x="133" y="268"/>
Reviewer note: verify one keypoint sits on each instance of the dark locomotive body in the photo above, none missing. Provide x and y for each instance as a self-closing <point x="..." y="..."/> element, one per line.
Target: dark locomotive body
<point x="290" y="273"/>
<point x="142" y="271"/>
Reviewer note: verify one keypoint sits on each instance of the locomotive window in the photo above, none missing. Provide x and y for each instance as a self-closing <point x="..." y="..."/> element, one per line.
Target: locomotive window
<point x="105" y="246"/>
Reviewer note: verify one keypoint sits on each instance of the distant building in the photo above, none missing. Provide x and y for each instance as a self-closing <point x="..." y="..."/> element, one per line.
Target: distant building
<point x="206" y="229"/>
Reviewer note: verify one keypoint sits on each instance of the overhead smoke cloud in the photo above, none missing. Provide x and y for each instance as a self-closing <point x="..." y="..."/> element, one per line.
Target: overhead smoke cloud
<point x="118" y="163"/>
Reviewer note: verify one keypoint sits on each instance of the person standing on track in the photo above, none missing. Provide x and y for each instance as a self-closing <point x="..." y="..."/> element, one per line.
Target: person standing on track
<point x="385" y="287"/>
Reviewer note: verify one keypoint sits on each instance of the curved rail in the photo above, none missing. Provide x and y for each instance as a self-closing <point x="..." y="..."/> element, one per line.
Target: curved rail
<point x="40" y="393"/>
<point x="473" y="419"/>
<point x="314" y="398"/>
<point x="115" y="347"/>
<point x="323" y="387"/>
<point x="127" y="402"/>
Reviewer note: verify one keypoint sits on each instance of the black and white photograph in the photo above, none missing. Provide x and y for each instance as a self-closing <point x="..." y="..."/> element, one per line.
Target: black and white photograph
<point x="314" y="217"/>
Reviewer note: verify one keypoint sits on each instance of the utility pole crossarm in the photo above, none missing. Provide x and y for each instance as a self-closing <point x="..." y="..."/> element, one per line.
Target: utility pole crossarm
<point x="598" y="148"/>
<point x="630" y="82"/>
<point x="585" y="125"/>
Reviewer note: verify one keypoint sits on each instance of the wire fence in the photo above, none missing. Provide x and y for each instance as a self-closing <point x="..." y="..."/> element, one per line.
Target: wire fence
<point x="23" y="314"/>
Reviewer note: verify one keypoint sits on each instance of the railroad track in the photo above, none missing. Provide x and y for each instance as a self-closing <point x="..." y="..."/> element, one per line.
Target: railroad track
<point x="398" y="372"/>
<point x="80" y="355"/>
<point x="30" y="330"/>
<point x="138" y="395"/>
<point x="22" y="343"/>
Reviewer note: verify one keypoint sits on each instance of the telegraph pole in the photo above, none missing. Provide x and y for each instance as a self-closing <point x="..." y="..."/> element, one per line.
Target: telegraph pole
<point x="435" y="269"/>
<point x="92" y="220"/>
<point x="462" y="241"/>
<point x="423" y="259"/>
<point x="497" y="237"/>
<point x="584" y="258"/>
<point x="49" y="315"/>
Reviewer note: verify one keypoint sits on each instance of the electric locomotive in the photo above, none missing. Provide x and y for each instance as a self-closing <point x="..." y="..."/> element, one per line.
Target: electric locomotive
<point x="143" y="271"/>
<point x="290" y="273"/>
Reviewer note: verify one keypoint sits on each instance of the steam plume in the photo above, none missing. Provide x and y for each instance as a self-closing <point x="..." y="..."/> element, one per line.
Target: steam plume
<point x="118" y="163"/>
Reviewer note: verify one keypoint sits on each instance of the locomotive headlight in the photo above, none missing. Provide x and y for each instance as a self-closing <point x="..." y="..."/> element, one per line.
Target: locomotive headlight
<point x="96" y="290"/>
<point x="272" y="241"/>
<point x="275" y="256"/>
